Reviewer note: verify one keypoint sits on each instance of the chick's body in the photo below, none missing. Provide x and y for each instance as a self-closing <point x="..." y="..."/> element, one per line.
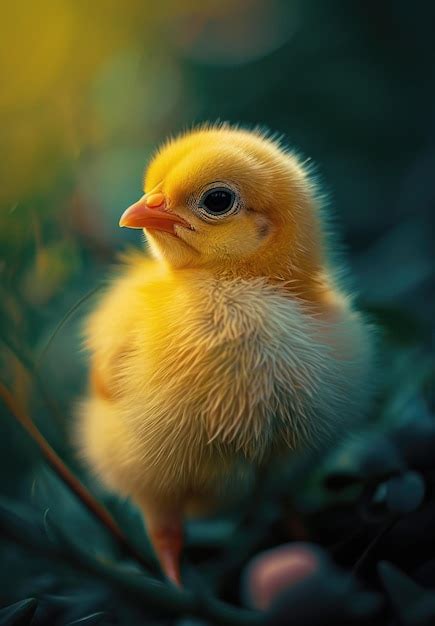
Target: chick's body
<point x="233" y="345"/>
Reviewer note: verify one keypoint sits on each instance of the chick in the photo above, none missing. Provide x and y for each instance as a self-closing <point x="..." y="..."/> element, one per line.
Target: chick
<point x="234" y="344"/>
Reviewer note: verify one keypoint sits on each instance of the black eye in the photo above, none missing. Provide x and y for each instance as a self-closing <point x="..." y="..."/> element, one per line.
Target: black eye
<point x="218" y="201"/>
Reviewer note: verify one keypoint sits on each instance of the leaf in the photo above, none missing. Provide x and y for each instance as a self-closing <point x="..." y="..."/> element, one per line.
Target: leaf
<point x="380" y="459"/>
<point x="416" y="441"/>
<point x="89" y="620"/>
<point x="19" y="614"/>
<point x="414" y="605"/>
<point x="21" y="523"/>
<point x="337" y="481"/>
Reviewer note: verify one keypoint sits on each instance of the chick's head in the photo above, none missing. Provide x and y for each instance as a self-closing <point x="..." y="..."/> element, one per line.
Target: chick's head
<point x="230" y="200"/>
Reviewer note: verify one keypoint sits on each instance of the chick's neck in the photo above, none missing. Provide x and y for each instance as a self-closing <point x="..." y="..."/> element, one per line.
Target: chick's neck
<point x="299" y="273"/>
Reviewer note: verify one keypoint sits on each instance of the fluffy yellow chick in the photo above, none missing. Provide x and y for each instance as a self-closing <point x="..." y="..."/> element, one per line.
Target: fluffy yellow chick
<point x="235" y="343"/>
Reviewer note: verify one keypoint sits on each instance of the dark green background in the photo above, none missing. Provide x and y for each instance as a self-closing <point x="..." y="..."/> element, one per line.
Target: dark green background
<point x="90" y="91"/>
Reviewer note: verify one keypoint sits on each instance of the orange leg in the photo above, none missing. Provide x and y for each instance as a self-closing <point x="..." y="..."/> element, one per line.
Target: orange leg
<point x="165" y="531"/>
<point x="167" y="541"/>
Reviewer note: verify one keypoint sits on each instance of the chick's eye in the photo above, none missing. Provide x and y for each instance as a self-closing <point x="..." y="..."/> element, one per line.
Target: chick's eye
<point x="218" y="201"/>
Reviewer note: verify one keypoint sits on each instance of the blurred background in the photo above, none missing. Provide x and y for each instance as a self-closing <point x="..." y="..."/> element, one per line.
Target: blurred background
<point x="89" y="89"/>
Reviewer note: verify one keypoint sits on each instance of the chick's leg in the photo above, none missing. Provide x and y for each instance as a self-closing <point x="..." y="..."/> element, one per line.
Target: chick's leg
<point x="165" y="531"/>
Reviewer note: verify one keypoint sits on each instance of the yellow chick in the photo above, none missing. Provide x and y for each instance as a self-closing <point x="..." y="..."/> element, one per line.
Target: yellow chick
<point x="234" y="344"/>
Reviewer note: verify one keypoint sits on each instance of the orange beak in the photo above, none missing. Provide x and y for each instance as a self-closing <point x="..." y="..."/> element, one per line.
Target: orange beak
<point x="150" y="212"/>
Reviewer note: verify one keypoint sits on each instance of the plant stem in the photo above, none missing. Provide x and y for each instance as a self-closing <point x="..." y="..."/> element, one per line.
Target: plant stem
<point x="63" y="321"/>
<point x="66" y="475"/>
<point x="362" y="559"/>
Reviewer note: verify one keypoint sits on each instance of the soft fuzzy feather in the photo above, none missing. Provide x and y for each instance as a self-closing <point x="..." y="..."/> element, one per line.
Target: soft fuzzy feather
<point x="208" y="374"/>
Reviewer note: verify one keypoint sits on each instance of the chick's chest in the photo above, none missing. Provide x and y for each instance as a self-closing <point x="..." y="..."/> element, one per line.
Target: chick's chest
<point x="214" y="346"/>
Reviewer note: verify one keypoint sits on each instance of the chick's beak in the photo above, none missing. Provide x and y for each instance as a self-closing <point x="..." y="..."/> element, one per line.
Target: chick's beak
<point x="150" y="212"/>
